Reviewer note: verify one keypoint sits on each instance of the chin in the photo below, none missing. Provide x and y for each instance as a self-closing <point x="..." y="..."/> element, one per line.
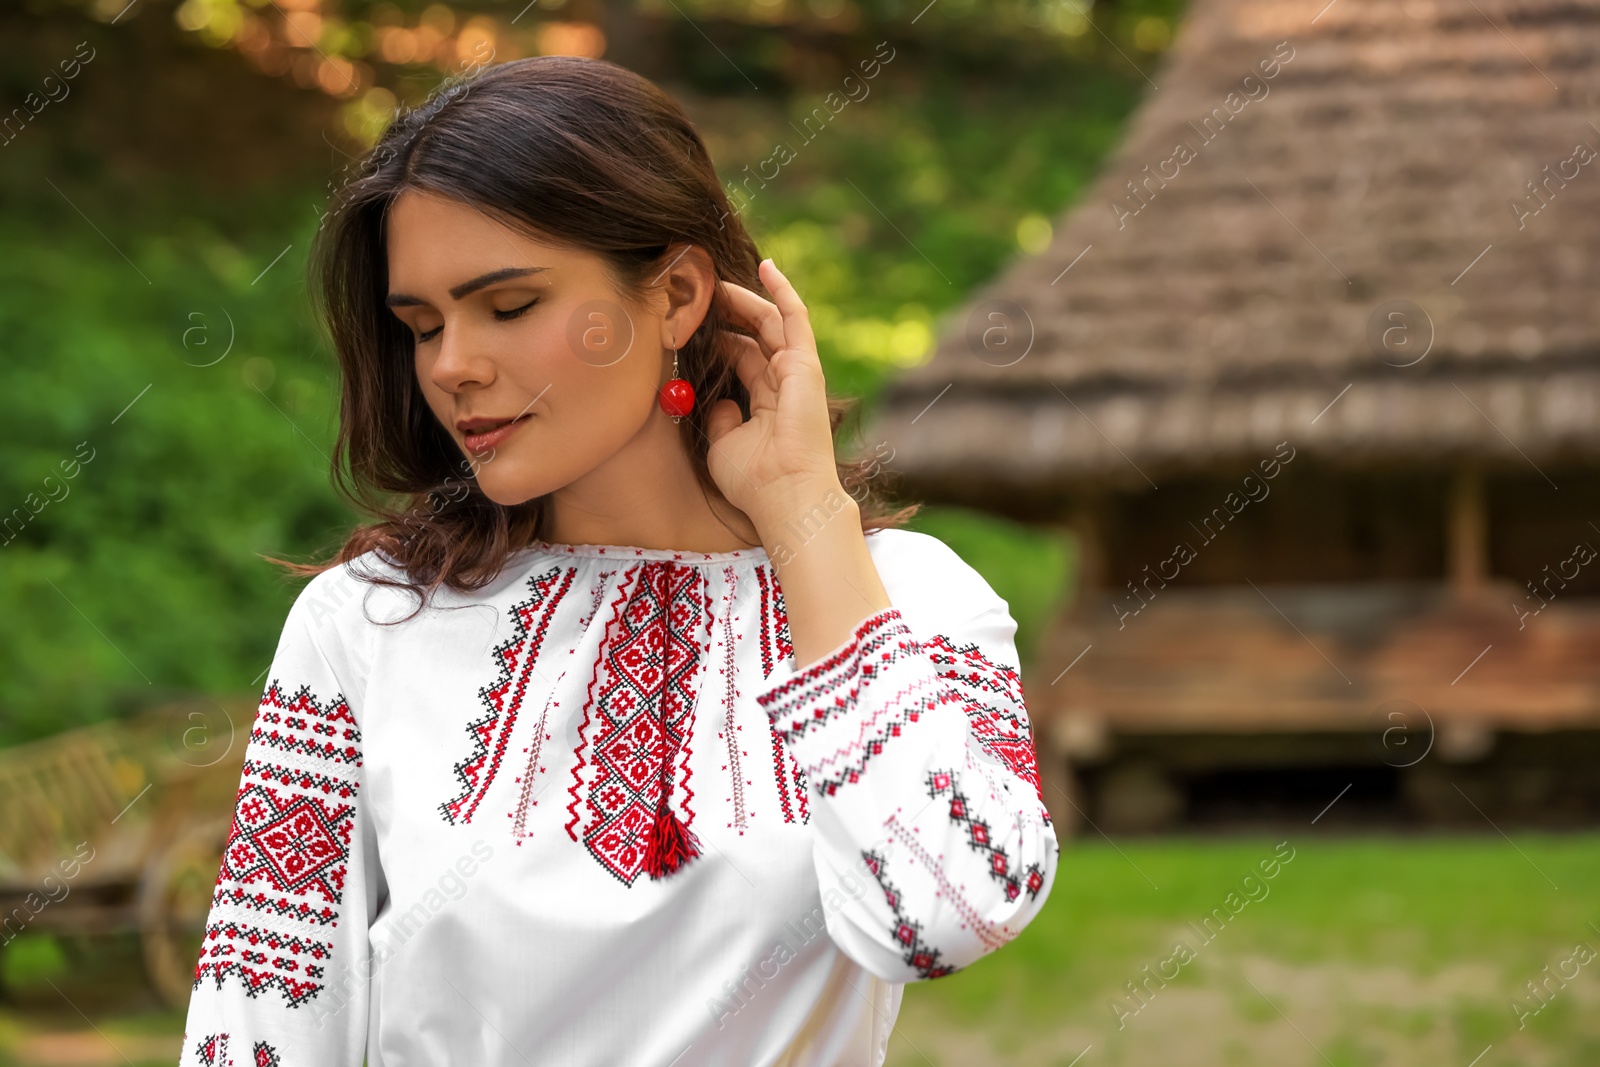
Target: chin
<point x="509" y="493"/>
<point x="511" y="484"/>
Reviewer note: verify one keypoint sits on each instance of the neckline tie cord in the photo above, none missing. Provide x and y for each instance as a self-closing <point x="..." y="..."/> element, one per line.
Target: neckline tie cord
<point x="671" y="844"/>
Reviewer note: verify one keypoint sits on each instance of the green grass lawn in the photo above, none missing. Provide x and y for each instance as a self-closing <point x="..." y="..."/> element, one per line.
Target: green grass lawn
<point x="1367" y="950"/>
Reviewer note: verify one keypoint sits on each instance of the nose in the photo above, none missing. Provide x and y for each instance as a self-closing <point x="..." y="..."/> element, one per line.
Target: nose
<point x="461" y="363"/>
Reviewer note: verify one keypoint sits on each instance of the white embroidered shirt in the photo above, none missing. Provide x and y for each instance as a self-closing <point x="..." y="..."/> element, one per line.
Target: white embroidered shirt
<point x="592" y="814"/>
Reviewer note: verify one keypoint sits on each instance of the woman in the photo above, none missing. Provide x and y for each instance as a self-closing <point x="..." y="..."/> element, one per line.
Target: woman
<point x="615" y="738"/>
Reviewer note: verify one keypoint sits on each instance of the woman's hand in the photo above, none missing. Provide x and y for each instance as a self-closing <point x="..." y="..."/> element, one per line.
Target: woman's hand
<point x="780" y="462"/>
<point x="778" y="468"/>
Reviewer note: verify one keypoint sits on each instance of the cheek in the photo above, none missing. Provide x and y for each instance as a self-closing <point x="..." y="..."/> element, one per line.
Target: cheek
<point x="587" y="413"/>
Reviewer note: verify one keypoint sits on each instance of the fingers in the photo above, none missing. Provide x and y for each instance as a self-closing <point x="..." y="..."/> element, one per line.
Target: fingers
<point x="796" y="319"/>
<point x="755" y="313"/>
<point x="723" y="418"/>
<point x="750" y="363"/>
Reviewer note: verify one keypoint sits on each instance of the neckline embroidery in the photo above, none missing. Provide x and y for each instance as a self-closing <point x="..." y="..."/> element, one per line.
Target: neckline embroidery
<point x="626" y="553"/>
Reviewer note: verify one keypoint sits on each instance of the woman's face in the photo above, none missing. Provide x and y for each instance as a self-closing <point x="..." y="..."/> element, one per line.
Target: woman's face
<point x="524" y="351"/>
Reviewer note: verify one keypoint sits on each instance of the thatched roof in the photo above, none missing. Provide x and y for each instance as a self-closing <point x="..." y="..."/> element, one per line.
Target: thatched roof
<point x="1379" y="162"/>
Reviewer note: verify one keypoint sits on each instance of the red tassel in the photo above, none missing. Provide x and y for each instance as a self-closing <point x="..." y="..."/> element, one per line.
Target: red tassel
<point x="671" y="843"/>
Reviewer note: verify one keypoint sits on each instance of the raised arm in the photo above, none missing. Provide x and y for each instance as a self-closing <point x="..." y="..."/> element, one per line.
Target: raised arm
<point x="917" y="747"/>
<point x="911" y="730"/>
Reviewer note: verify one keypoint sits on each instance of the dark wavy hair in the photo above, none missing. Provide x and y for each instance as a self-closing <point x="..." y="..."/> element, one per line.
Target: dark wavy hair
<point x="578" y="152"/>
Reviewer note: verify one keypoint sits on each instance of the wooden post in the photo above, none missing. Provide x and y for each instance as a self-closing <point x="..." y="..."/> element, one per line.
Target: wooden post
<point x="1087" y="523"/>
<point x="1467" y="533"/>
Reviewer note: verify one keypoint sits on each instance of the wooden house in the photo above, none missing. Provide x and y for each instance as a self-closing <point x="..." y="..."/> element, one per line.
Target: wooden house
<point x="1312" y="371"/>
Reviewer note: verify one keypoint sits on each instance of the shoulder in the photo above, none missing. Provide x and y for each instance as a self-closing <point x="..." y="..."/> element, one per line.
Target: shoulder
<point x="928" y="582"/>
<point x="339" y="593"/>
<point x="340" y="611"/>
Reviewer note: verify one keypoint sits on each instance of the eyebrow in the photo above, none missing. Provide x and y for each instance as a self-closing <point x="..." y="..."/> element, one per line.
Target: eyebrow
<point x="395" y="300"/>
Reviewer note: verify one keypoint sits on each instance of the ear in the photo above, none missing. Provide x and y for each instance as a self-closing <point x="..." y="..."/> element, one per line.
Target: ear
<point x="689" y="279"/>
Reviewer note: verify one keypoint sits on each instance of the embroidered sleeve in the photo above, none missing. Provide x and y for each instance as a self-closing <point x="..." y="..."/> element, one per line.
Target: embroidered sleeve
<point x="282" y="971"/>
<point x="933" y="846"/>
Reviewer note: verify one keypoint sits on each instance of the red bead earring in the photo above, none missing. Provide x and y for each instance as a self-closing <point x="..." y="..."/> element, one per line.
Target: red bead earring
<point x="677" y="395"/>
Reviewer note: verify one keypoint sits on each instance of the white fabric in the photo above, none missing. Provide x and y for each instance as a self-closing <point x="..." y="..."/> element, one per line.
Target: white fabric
<point x="415" y="874"/>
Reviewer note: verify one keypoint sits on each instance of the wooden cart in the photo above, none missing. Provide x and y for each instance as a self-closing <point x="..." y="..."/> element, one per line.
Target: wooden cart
<point x="120" y="827"/>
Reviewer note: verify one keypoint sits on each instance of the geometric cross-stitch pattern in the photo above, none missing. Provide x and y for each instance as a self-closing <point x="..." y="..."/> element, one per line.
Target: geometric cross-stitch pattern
<point x="920" y="955"/>
<point x="298" y="725"/>
<point x="263" y="960"/>
<point x="289" y="842"/>
<point x="847" y="698"/>
<point x="775" y="644"/>
<point x="990" y="694"/>
<point x="287" y="856"/>
<point x="212" y="1051"/>
<point x="981" y="839"/>
<point x="502" y="699"/>
<point x="776" y="648"/>
<point x="638" y="714"/>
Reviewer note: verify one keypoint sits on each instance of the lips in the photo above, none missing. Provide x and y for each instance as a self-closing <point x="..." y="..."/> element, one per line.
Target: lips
<point x="485" y="434"/>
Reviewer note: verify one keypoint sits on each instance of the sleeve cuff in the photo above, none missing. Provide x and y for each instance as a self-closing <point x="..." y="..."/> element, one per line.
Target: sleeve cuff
<point x="841" y="712"/>
<point x="834" y="680"/>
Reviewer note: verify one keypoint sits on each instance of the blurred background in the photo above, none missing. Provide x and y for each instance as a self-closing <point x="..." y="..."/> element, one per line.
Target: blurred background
<point x="1247" y="347"/>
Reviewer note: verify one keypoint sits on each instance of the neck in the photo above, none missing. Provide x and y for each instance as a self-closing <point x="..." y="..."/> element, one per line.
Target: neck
<point x="646" y="495"/>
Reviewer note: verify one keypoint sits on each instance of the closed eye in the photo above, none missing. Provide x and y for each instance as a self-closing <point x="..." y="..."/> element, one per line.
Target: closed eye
<point x="507" y="316"/>
<point x="500" y="316"/>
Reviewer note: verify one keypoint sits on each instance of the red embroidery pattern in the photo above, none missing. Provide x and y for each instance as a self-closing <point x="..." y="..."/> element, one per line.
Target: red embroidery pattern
<point x="519" y="822"/>
<point x="288" y="849"/>
<point x="729" y="698"/>
<point x="297" y="776"/>
<point x="991" y="695"/>
<point x="641" y="700"/>
<point x="596" y="595"/>
<point x="516" y="658"/>
<point x="991" y="935"/>
<point x="288" y="842"/>
<point x="907" y="933"/>
<point x="775" y="644"/>
<point x="281" y="906"/>
<point x="776" y="648"/>
<point x="212" y="1051"/>
<point x="299" y="726"/>
<point x="263" y="959"/>
<point x="981" y="839"/>
<point x="832" y="688"/>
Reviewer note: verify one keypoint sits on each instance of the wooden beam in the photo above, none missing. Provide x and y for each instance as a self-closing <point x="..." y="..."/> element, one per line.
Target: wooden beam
<point x="1467" y="533"/>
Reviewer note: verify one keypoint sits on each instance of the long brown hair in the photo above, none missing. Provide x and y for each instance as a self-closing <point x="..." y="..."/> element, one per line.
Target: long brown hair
<point x="579" y="152"/>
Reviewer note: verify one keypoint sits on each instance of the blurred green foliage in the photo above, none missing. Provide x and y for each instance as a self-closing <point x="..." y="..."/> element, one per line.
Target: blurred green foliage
<point x="31" y="960"/>
<point x="159" y="327"/>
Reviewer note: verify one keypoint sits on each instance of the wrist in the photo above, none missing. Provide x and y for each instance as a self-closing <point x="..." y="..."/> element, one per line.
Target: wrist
<point x="786" y="508"/>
